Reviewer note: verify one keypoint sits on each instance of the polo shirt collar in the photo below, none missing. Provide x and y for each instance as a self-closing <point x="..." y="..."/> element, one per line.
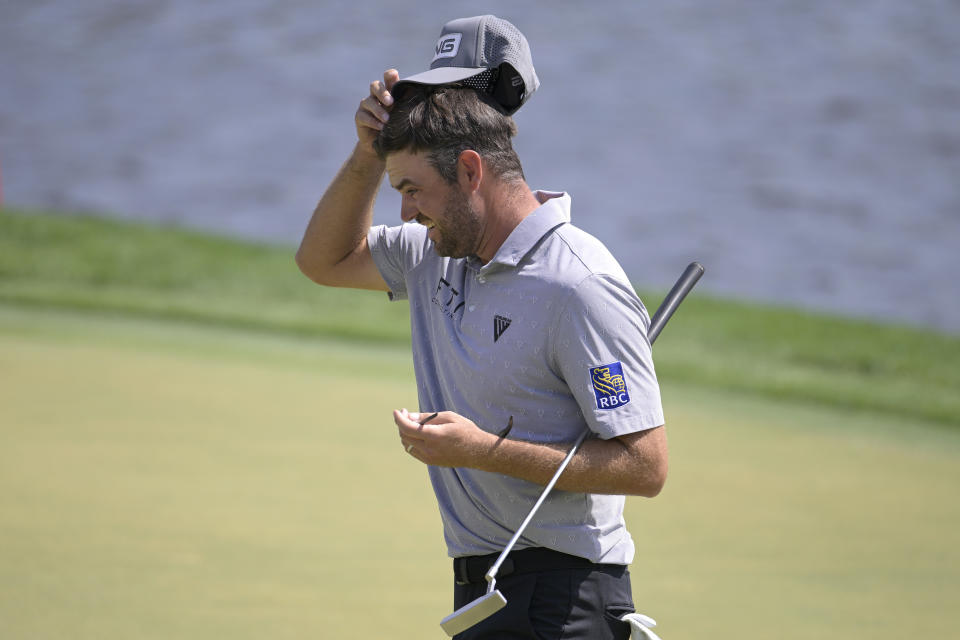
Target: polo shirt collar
<point x="553" y="211"/>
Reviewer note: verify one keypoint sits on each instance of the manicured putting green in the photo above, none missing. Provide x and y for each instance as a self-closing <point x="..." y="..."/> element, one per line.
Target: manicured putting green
<point x="159" y="480"/>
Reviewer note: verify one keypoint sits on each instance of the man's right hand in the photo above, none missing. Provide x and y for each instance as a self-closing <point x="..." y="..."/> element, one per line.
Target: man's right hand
<point x="374" y="110"/>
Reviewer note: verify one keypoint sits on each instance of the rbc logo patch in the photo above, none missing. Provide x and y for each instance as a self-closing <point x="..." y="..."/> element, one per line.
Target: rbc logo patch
<point x="609" y="386"/>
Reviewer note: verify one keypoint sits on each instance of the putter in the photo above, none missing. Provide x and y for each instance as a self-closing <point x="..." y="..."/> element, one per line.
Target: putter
<point x="492" y="601"/>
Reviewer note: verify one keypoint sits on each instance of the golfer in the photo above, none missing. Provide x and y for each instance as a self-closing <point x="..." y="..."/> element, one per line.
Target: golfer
<point x="525" y="331"/>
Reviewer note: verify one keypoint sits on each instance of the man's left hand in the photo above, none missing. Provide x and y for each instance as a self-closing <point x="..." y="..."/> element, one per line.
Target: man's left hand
<point x="448" y="440"/>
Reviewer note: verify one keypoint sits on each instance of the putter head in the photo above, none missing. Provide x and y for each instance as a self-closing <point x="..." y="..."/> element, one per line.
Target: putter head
<point x="473" y="612"/>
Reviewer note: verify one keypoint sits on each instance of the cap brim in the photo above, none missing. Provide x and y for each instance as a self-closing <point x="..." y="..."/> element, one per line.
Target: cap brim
<point x="441" y="75"/>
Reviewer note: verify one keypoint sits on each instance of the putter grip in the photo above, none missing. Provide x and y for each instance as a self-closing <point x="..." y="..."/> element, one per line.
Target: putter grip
<point x="679" y="291"/>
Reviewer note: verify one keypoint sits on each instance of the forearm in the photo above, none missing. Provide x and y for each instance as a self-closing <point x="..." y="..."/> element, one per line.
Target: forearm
<point x="632" y="464"/>
<point x="340" y="223"/>
<point x="599" y="466"/>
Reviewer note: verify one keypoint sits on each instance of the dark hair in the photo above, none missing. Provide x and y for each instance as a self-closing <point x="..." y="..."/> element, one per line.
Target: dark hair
<point x="444" y="122"/>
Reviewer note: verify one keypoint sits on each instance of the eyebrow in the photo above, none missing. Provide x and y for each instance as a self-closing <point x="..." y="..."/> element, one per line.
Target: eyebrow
<point x="403" y="183"/>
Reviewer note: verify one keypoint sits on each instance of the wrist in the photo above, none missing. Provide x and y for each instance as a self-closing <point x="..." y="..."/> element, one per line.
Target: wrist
<point x="485" y="452"/>
<point x="365" y="152"/>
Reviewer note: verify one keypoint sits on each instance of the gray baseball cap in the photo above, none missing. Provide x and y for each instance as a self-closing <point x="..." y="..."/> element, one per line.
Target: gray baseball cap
<point x="483" y="52"/>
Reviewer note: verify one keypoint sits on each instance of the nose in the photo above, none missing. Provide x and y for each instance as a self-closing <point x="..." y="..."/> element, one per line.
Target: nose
<point x="408" y="209"/>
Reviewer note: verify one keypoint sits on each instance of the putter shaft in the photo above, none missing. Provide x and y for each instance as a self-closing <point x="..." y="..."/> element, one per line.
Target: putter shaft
<point x="492" y="571"/>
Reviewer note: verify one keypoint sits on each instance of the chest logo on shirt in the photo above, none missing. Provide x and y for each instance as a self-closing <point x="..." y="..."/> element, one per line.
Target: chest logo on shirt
<point x="500" y="325"/>
<point x="609" y="386"/>
<point x="448" y="298"/>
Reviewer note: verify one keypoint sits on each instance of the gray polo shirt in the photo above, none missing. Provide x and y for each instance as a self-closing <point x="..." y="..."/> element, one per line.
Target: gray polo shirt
<point x="551" y="332"/>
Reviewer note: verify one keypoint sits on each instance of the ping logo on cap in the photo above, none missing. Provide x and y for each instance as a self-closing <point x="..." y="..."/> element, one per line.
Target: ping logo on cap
<point x="447" y="46"/>
<point x="609" y="386"/>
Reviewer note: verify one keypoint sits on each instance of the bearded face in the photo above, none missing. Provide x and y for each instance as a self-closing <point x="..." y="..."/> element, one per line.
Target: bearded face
<point x="456" y="234"/>
<point x="454" y="224"/>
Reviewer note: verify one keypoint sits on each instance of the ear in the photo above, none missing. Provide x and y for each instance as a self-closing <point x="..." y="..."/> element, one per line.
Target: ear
<point x="469" y="170"/>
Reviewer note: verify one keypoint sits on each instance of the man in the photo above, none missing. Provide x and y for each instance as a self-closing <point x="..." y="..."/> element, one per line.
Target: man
<point x="525" y="332"/>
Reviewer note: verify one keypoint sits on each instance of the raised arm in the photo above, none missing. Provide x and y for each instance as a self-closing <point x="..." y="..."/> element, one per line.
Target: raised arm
<point x="334" y="249"/>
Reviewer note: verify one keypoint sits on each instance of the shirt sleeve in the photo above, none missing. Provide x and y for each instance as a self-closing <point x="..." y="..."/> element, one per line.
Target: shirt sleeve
<point x="602" y="351"/>
<point x="395" y="251"/>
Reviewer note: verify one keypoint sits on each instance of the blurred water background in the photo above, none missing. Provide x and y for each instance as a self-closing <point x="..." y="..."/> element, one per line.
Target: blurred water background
<point x="806" y="151"/>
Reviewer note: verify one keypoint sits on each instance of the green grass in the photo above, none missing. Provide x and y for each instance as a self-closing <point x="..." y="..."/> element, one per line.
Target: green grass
<point x="796" y="355"/>
<point x="164" y="479"/>
<point x="169" y="481"/>
<point x="196" y="442"/>
<point x="100" y="265"/>
<point x="84" y="262"/>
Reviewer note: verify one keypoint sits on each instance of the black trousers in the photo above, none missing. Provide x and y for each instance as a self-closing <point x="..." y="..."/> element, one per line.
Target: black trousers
<point x="550" y="598"/>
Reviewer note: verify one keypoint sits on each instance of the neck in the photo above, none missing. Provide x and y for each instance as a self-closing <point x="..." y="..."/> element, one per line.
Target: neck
<point x="506" y="207"/>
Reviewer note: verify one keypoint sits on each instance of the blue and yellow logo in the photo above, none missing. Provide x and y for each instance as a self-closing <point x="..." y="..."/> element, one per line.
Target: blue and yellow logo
<point x="609" y="386"/>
